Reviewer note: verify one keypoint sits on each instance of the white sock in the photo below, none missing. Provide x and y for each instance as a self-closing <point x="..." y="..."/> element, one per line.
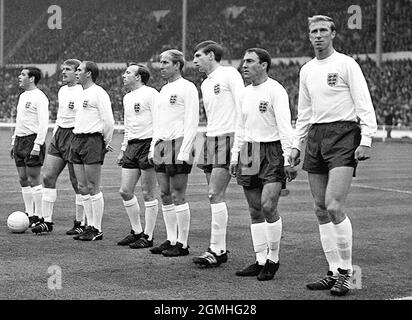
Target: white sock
<point x="133" y="211"/>
<point x="79" y="209"/>
<point x="169" y="216"/>
<point x="183" y="223"/>
<point x="37" y="199"/>
<point x="329" y="246"/>
<point x="49" y="198"/>
<point x="218" y="227"/>
<point x="273" y="235"/>
<point x="97" y="209"/>
<point x="150" y="216"/>
<point x="28" y="200"/>
<point x="344" y="242"/>
<point x="259" y="242"/>
<point x="87" y="208"/>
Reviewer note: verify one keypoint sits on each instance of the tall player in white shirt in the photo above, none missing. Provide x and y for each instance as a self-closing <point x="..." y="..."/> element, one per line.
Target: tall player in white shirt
<point x="175" y="128"/>
<point x="333" y="95"/>
<point x="265" y="125"/>
<point x="69" y="97"/>
<point x="221" y="92"/>
<point x="139" y="104"/>
<point x="28" y="141"/>
<point x="93" y="131"/>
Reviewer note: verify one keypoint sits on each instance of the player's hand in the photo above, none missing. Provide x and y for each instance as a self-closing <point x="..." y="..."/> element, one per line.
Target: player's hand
<point x="12" y="152"/>
<point x="119" y="159"/>
<point x="34" y="153"/>
<point x="362" y="153"/>
<point x="109" y="148"/>
<point x="291" y="173"/>
<point x="233" y="168"/>
<point x="294" y="159"/>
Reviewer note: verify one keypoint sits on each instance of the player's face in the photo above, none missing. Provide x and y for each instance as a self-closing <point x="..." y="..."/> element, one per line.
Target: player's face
<point x="68" y="74"/>
<point x="81" y="74"/>
<point x="321" y="35"/>
<point x="201" y="60"/>
<point x="24" y="80"/>
<point x="252" y="68"/>
<point x="167" y="68"/>
<point x="129" y="76"/>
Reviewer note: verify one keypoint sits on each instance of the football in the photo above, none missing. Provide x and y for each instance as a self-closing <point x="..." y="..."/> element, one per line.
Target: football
<point x="18" y="222"/>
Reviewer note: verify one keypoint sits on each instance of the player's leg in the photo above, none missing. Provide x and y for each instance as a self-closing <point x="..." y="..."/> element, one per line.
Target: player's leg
<point x="168" y="211"/>
<point x="339" y="182"/>
<point x="53" y="168"/>
<point x="148" y="182"/>
<point x="80" y="172"/>
<point x="273" y="228"/>
<point x="128" y="183"/>
<point x="80" y="217"/>
<point x="33" y="174"/>
<point x="253" y="196"/>
<point x="27" y="195"/>
<point x="178" y="185"/>
<point x="93" y="176"/>
<point x="216" y="254"/>
<point x="318" y="184"/>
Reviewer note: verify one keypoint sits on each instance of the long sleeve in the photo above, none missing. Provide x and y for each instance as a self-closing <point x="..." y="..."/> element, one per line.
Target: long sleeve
<point x="304" y="114"/>
<point x="363" y="103"/>
<point x="105" y="109"/>
<point x="154" y="111"/>
<point x="283" y="121"/>
<point x="191" y="122"/>
<point x="239" y="137"/>
<point x="124" y="142"/>
<point x="43" y="119"/>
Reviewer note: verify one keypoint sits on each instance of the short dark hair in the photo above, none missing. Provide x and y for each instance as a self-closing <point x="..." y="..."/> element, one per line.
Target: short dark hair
<point x="72" y="62"/>
<point x="320" y="17"/>
<point x="263" y="55"/>
<point x="34" y="72"/>
<point x="210" y="46"/>
<point x="93" y="68"/>
<point x="142" y="70"/>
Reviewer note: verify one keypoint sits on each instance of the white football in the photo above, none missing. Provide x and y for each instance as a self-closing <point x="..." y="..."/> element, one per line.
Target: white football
<point x="18" y="222"/>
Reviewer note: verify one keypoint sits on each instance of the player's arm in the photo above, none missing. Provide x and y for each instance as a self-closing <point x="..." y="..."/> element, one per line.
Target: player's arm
<point x="237" y="88"/>
<point x="283" y="121"/>
<point x="303" y="120"/>
<point x="238" y="143"/>
<point x="105" y="109"/>
<point x="125" y="135"/>
<point x="154" y="111"/>
<point x="363" y="107"/>
<point x="43" y="119"/>
<point x="191" y="122"/>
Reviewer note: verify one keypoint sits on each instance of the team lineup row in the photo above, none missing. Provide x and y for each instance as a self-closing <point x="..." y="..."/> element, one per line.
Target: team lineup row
<point x="248" y="136"/>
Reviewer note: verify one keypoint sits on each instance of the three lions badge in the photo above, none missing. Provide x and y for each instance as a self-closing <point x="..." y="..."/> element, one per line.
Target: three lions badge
<point x="216" y="89"/>
<point x="263" y="106"/>
<point x="137" y="107"/>
<point x="173" y="99"/>
<point x="332" y="79"/>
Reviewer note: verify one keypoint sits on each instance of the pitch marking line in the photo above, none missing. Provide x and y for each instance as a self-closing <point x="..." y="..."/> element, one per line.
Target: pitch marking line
<point x="403" y="298"/>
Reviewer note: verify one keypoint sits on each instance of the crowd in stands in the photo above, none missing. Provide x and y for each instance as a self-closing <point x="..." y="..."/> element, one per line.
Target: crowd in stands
<point x="390" y="87"/>
<point x="117" y="31"/>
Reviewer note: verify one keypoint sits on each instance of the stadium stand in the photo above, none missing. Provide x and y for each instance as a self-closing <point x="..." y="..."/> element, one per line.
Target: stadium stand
<point x="137" y="30"/>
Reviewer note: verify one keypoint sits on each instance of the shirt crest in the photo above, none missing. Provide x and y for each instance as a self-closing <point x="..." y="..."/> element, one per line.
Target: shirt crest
<point x="263" y="106"/>
<point x="85" y="103"/>
<point x="28" y="104"/>
<point x="173" y="98"/>
<point x="137" y="107"/>
<point x="216" y="88"/>
<point x="332" y="79"/>
<point x="71" y="105"/>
